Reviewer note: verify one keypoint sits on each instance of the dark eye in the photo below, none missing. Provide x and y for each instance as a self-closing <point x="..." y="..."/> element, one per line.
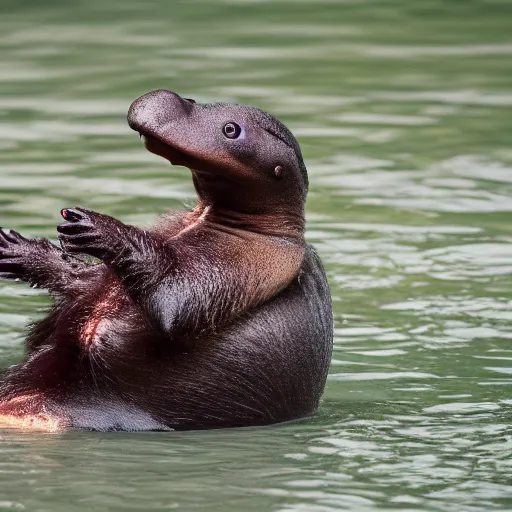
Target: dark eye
<point x="231" y="130"/>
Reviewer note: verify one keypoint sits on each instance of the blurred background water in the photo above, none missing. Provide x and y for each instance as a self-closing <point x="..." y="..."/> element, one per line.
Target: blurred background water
<point x="404" y="113"/>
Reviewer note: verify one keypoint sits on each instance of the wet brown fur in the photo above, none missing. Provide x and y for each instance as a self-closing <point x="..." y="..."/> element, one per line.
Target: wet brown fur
<point x="215" y="317"/>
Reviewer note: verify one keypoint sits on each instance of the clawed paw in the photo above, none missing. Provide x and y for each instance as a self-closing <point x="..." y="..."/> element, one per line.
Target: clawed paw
<point x="9" y="236"/>
<point x="85" y="232"/>
<point x="14" y="249"/>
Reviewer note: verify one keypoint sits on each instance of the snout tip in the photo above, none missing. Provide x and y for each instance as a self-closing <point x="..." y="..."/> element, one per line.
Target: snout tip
<point x="157" y="107"/>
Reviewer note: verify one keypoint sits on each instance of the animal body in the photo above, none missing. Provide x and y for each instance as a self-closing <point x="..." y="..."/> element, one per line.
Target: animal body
<point x="215" y="317"/>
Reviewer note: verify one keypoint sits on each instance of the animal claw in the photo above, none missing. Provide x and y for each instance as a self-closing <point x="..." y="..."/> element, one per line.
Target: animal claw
<point x="72" y="214"/>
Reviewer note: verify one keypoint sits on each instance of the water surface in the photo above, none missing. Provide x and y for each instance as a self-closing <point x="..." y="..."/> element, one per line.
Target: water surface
<point x="404" y="114"/>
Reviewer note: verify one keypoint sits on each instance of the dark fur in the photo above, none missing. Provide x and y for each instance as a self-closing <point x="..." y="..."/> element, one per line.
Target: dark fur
<point x="213" y="318"/>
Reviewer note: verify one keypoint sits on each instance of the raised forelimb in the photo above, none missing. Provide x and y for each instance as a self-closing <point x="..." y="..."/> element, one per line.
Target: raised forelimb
<point x="132" y="252"/>
<point x="194" y="281"/>
<point x="39" y="263"/>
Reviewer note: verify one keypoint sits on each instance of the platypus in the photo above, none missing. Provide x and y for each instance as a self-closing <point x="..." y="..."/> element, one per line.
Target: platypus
<point x="215" y="317"/>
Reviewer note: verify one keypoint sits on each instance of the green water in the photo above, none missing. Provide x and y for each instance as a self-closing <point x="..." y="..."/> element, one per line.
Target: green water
<point x="404" y="113"/>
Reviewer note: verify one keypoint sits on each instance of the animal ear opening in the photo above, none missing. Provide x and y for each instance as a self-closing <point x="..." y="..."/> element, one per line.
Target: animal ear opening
<point x="278" y="172"/>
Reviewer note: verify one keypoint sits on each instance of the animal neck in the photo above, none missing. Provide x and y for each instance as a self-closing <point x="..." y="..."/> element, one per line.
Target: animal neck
<point x="283" y="224"/>
<point x="247" y="207"/>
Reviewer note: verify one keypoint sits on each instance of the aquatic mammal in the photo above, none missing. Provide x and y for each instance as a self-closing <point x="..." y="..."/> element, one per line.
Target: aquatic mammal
<point x="215" y="317"/>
